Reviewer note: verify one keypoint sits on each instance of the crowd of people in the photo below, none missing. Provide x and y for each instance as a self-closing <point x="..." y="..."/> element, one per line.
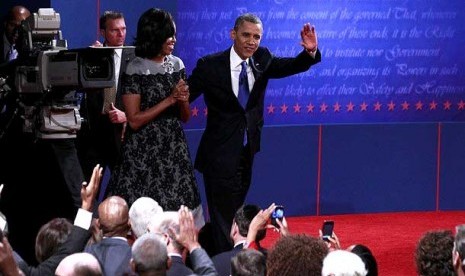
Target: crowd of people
<point x="167" y="243"/>
<point x="149" y="220"/>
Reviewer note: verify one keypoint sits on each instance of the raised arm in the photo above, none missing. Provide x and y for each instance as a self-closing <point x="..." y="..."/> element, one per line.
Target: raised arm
<point x="188" y="237"/>
<point x="309" y="38"/>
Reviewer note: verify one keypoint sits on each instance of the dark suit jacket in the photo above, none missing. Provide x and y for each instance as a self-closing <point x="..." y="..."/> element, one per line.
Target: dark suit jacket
<point x="98" y="131"/>
<point x="113" y="255"/>
<point x="2" y="46"/>
<point x="178" y="268"/>
<point x="201" y="263"/>
<point x="222" y="261"/>
<point x="221" y="144"/>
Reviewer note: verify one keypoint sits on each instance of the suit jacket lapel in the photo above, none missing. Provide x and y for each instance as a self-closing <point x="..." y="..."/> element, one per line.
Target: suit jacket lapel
<point x="225" y="65"/>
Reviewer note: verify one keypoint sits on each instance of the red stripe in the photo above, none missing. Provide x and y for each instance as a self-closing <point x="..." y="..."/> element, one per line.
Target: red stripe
<point x="318" y="181"/>
<point x="438" y="169"/>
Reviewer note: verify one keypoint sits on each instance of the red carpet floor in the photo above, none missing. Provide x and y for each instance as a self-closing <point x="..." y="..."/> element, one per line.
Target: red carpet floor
<point x="392" y="237"/>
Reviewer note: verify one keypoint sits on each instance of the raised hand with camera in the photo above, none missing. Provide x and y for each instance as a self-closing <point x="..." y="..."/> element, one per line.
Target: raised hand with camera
<point x="262" y="220"/>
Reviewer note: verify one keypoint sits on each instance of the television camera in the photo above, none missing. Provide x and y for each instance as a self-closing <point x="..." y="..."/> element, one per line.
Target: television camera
<point x="47" y="75"/>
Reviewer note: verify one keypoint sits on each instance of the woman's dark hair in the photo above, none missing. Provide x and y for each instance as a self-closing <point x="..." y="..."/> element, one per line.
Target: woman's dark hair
<point x="367" y="257"/>
<point x="50" y="236"/>
<point x="155" y="26"/>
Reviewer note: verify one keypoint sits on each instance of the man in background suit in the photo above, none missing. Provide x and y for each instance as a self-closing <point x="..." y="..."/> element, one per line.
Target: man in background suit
<point x="10" y="32"/>
<point x="239" y="229"/>
<point x="232" y="134"/>
<point x="99" y="139"/>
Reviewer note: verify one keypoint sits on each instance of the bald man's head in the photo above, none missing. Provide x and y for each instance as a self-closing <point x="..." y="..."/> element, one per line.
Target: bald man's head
<point x="13" y="22"/>
<point x="113" y="217"/>
<point x="78" y="264"/>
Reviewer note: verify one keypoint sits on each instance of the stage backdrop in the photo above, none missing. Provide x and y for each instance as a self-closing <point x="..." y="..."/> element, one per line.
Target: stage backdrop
<point x="382" y="61"/>
<point x="377" y="126"/>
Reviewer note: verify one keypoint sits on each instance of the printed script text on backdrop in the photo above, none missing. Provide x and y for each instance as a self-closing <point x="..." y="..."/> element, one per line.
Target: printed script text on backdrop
<point x="382" y="61"/>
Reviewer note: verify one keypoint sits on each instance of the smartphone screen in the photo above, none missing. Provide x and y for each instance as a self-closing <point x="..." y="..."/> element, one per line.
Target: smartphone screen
<point x="327" y="229"/>
<point x="278" y="213"/>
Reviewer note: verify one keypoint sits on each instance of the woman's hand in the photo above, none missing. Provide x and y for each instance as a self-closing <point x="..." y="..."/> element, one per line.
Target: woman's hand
<point x="181" y="91"/>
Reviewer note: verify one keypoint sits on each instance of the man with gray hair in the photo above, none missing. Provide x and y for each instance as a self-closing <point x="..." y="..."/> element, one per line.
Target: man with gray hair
<point x="142" y="211"/>
<point x="179" y="233"/>
<point x="343" y="263"/>
<point x="162" y="224"/>
<point x="149" y="255"/>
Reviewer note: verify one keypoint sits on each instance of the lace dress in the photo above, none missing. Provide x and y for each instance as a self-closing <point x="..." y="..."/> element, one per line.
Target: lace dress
<point x="155" y="159"/>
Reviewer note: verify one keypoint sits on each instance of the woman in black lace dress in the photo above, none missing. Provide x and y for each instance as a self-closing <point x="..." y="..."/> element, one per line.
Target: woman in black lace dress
<point x="155" y="159"/>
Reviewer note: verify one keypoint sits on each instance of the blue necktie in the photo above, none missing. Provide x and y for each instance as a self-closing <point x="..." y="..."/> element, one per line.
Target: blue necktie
<point x="243" y="95"/>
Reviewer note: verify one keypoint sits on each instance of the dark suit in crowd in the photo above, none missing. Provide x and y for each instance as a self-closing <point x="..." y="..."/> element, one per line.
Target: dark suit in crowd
<point x="222" y="261"/>
<point x="113" y="254"/>
<point x="178" y="267"/>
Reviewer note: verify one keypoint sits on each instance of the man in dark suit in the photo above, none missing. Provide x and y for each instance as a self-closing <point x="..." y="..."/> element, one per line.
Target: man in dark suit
<point x="232" y="134"/>
<point x="9" y="35"/>
<point x="9" y="32"/>
<point x="99" y="139"/>
<point x="113" y="252"/>
<point x="238" y="235"/>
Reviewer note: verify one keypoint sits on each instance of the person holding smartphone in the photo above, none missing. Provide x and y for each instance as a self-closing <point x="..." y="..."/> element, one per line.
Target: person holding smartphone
<point x="328" y="235"/>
